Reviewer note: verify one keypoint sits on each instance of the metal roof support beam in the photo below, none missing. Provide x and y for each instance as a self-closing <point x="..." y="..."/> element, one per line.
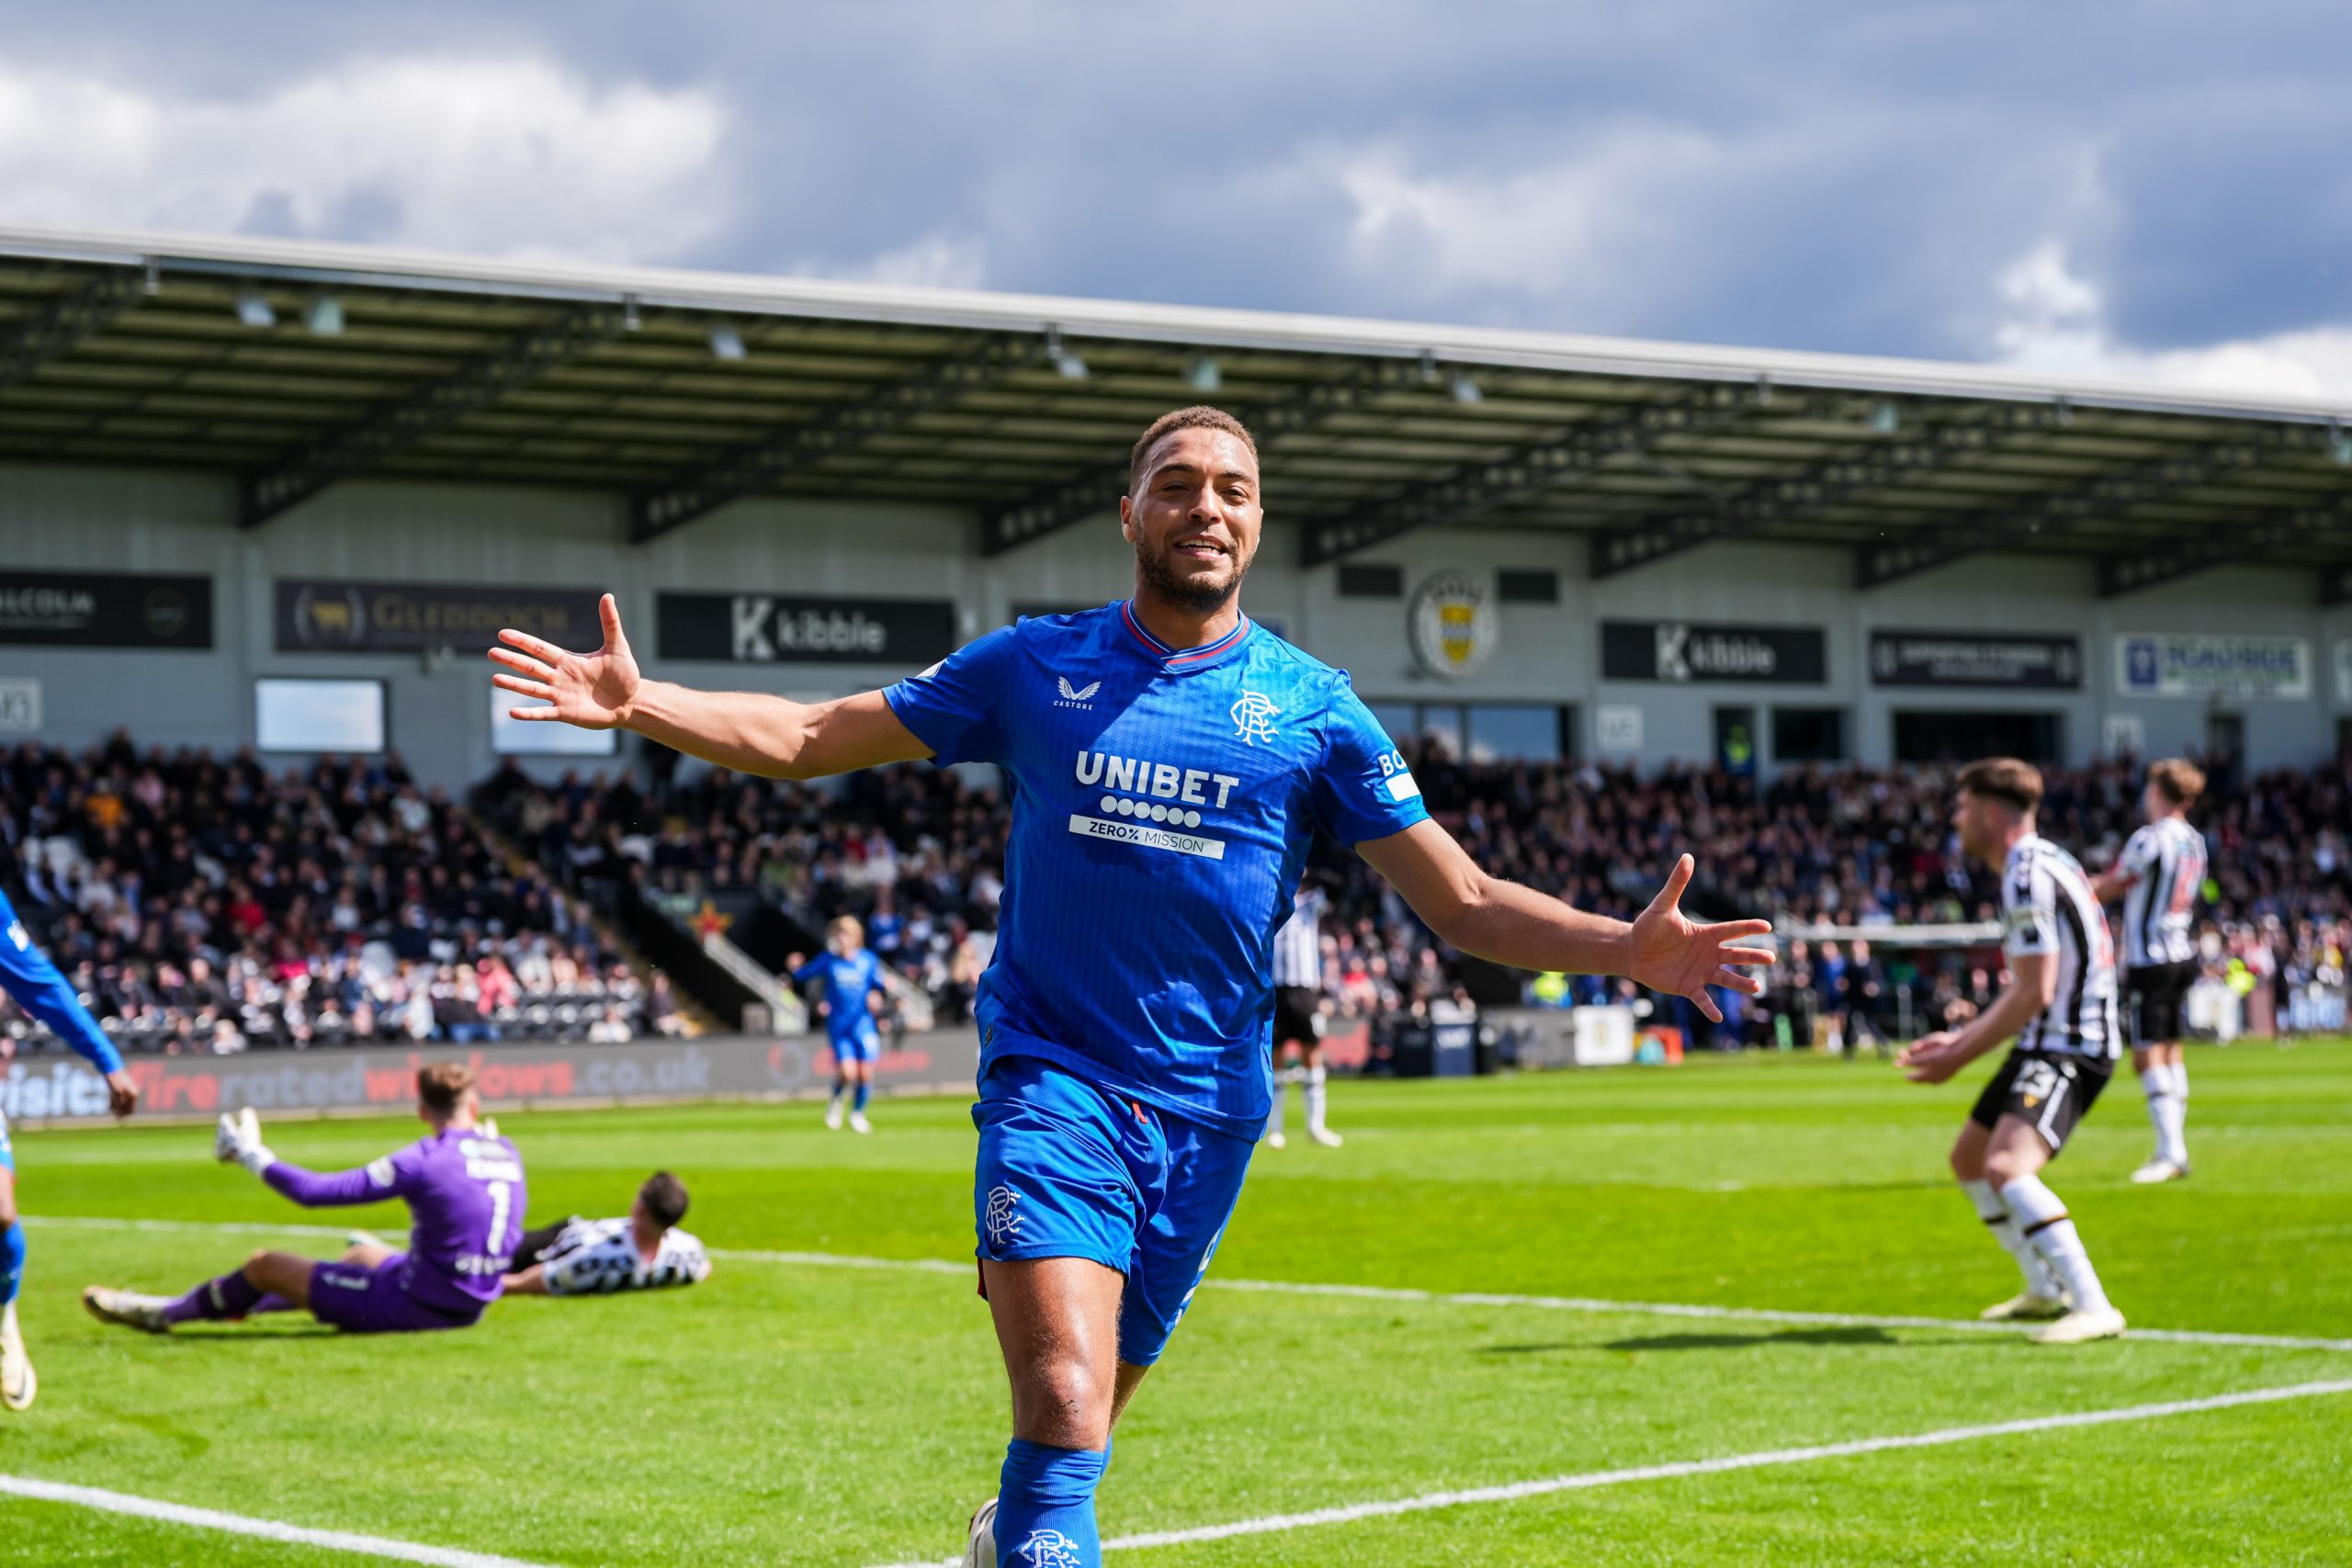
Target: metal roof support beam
<point x="1580" y="448"/>
<point x="403" y="422"/>
<point x="2157" y="480"/>
<point x="53" y="330"/>
<point x="1749" y="511"/>
<point x="756" y="466"/>
<point x="1091" y="493"/>
<point x="2236" y="544"/>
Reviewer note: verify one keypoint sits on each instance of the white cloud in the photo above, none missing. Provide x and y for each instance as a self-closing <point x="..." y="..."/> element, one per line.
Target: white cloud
<point x="518" y="157"/>
<point x="1572" y="230"/>
<point x="935" y="260"/>
<point x="2054" y="322"/>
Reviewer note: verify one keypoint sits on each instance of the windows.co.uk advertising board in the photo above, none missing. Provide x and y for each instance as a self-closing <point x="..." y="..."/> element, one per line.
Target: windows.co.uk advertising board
<point x="60" y="1088"/>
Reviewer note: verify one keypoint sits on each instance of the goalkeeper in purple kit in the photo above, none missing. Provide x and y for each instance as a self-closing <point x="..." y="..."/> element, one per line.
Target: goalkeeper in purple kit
<point x="463" y="1186"/>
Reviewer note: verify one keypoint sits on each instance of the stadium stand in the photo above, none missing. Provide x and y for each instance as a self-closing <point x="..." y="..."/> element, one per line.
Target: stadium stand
<point x="915" y="852"/>
<point x="205" y="903"/>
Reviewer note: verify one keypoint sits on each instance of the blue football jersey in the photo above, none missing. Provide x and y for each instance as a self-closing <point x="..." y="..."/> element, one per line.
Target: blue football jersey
<point x="846" y="982"/>
<point x="1162" y="802"/>
<point x="28" y="975"/>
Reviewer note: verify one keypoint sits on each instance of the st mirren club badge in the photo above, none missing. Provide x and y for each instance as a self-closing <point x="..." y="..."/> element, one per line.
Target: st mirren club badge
<point x="1453" y="625"/>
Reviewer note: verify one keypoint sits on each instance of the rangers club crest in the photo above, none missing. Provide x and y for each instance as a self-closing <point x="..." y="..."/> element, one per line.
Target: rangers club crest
<point x="1002" y="1217"/>
<point x="1049" y="1549"/>
<point x="1253" y="717"/>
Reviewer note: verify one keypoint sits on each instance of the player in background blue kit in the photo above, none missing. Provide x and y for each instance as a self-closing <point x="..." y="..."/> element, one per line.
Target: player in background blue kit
<point x="28" y="975"/>
<point x="1168" y="763"/>
<point x="847" y="978"/>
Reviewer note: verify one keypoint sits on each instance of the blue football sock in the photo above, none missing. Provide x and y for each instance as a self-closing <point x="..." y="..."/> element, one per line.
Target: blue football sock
<point x="865" y="1093"/>
<point x="1045" y="1508"/>
<point x="12" y="1261"/>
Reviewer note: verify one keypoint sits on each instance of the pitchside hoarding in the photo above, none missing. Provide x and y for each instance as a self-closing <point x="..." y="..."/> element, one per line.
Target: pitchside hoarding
<point x="64" y="1090"/>
<point x="91" y="609"/>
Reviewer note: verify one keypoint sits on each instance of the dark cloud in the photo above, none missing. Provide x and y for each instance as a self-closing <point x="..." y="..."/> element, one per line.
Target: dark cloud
<point x="1808" y="173"/>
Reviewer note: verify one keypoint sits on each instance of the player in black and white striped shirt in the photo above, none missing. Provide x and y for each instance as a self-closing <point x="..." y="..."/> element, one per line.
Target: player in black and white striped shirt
<point x="2060" y="1007"/>
<point x="645" y="1251"/>
<point x="1298" y="1014"/>
<point x="2159" y="877"/>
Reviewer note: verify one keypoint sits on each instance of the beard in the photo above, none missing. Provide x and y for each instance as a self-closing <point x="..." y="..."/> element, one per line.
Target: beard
<point x="1194" y="594"/>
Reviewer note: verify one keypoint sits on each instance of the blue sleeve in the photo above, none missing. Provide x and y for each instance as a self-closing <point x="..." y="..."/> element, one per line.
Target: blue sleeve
<point x="28" y="975"/>
<point x="809" y="973"/>
<point x="1362" y="790"/>
<point x="952" y="708"/>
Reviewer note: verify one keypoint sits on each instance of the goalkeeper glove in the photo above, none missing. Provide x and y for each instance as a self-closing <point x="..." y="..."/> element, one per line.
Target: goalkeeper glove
<point x="238" y="1142"/>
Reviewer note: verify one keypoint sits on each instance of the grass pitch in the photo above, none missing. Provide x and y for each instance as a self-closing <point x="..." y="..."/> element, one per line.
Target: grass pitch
<point x="806" y="1413"/>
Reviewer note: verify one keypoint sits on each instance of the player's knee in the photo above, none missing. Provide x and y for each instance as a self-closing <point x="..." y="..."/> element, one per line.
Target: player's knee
<point x="7" y="1209"/>
<point x="2002" y="1166"/>
<point x="1065" y="1405"/>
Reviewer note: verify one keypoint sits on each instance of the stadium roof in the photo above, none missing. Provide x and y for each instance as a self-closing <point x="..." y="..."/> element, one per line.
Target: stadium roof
<point x="297" y="366"/>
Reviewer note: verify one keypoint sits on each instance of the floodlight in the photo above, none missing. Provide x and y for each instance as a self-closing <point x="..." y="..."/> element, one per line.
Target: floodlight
<point x="630" y="319"/>
<point x="254" y="312"/>
<point x="1203" y="374"/>
<point x="323" y="315"/>
<point x="1065" y="362"/>
<point x="726" y="342"/>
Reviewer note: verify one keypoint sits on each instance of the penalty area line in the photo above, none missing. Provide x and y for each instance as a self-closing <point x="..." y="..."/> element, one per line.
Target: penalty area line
<point x="1516" y="1490"/>
<point x="343" y="1542"/>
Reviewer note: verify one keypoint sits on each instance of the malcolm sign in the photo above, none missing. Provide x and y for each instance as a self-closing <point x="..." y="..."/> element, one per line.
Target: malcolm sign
<point x="1687" y="651"/>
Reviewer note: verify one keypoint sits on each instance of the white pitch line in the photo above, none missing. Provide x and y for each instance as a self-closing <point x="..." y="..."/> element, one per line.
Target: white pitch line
<point x="1518" y="1490"/>
<point x="1594" y="1304"/>
<point x="264" y="1529"/>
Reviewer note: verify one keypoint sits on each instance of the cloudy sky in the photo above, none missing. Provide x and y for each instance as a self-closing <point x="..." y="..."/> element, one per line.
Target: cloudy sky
<point x="2152" y="190"/>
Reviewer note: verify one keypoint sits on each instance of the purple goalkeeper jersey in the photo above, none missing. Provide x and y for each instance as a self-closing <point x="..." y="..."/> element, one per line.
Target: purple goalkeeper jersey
<point x="464" y="1192"/>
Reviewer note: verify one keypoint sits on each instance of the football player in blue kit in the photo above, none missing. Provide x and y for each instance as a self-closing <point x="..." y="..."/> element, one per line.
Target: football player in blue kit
<point x="29" y="977"/>
<point x="844" y="979"/>
<point x="1169" y="763"/>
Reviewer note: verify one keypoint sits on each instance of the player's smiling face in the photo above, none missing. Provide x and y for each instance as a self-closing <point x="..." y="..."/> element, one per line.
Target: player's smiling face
<point x="1194" y="518"/>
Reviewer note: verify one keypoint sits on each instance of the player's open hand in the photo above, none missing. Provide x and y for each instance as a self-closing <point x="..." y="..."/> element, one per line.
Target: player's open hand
<point x="591" y="690"/>
<point x="1931" y="1058"/>
<point x="1672" y="954"/>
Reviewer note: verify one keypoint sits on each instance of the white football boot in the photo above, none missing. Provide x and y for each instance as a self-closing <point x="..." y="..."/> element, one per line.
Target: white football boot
<point x="2159" y="1171"/>
<point x="18" y="1383"/>
<point x="128" y="1308"/>
<point x="858" y="1123"/>
<point x="2025" y="1307"/>
<point x="2080" y="1327"/>
<point x="979" y="1541"/>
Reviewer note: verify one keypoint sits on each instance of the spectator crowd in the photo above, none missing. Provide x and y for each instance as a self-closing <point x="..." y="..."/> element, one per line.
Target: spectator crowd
<point x="206" y="903"/>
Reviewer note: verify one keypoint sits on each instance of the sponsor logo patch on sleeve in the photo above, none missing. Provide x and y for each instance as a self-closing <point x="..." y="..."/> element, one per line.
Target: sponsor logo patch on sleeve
<point x="1402" y="786"/>
<point x="379" y="1170"/>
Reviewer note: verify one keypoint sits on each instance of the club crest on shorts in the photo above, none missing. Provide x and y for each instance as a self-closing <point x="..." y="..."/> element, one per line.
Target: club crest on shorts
<point x="1253" y="717"/>
<point x="1001" y="1218"/>
<point x="1049" y="1549"/>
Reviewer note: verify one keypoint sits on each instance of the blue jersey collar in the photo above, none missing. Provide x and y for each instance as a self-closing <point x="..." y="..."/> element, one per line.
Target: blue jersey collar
<point x="1181" y="662"/>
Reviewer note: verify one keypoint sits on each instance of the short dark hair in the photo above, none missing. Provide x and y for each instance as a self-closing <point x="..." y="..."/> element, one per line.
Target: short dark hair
<point x="664" y="1197"/>
<point x="2178" y="779"/>
<point x="2004" y="778"/>
<point x="1200" y="416"/>
<point x="441" y="1085"/>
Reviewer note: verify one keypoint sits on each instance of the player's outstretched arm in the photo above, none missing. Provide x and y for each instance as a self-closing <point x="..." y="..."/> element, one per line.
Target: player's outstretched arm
<point x="751" y="732"/>
<point x="1662" y="948"/>
<point x="531" y="1281"/>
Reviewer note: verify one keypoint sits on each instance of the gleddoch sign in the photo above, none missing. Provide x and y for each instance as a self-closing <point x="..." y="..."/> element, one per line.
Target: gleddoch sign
<point x="763" y="628"/>
<point x="1687" y="651"/>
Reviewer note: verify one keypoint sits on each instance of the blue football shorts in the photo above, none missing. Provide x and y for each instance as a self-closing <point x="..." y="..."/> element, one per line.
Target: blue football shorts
<point x="861" y="1046"/>
<point x="1069" y="1170"/>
